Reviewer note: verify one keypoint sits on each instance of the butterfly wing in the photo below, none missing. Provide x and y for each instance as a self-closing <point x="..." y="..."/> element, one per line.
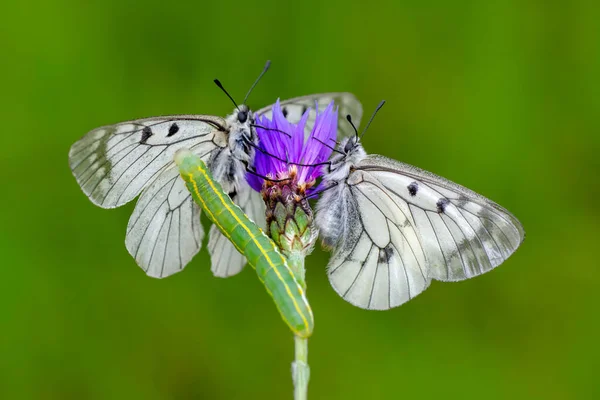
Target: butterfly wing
<point x="377" y="261"/>
<point x="164" y="231"/>
<point x="463" y="234"/>
<point x="293" y="109"/>
<point x="225" y="259"/>
<point x="113" y="164"/>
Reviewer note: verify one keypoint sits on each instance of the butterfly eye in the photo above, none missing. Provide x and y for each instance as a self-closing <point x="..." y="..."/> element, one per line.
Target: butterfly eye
<point x="243" y="116"/>
<point x="349" y="145"/>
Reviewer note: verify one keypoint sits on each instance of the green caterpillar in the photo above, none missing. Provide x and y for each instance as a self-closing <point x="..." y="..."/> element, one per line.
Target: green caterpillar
<point x="262" y="254"/>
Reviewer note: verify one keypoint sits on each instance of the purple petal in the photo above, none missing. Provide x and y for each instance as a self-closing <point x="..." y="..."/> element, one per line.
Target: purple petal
<point x="281" y="140"/>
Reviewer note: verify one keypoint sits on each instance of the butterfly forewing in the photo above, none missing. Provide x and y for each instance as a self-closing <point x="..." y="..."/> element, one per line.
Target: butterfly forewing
<point x="112" y="164"/>
<point x="463" y="234"/>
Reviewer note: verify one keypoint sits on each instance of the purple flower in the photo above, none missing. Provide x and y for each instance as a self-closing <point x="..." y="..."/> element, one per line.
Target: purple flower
<point x="281" y="140"/>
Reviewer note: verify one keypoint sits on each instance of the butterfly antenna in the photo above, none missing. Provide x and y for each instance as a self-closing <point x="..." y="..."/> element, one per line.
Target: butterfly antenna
<point x="258" y="148"/>
<point x="271" y="129"/>
<point x="349" y="118"/>
<point x="266" y="178"/>
<point x="267" y="65"/>
<point x="220" y="85"/>
<point x="326" y="145"/>
<point x="372" y="116"/>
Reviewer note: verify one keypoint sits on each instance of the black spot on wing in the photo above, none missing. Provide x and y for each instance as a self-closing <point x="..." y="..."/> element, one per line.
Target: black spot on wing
<point x="284" y="111"/>
<point x="442" y="204"/>
<point x="304" y="108"/>
<point x="386" y="254"/>
<point x="413" y="188"/>
<point x="146" y="133"/>
<point x="173" y="129"/>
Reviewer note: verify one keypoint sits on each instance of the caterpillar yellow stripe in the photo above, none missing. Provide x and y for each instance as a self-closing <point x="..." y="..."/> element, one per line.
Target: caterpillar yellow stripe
<point x="260" y="251"/>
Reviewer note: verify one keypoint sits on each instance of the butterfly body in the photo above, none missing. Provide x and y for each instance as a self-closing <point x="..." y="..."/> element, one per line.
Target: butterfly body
<point x="228" y="164"/>
<point x="335" y="200"/>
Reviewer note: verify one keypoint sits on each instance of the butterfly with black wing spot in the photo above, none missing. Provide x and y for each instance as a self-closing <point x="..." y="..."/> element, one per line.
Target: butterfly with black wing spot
<point x="394" y="227"/>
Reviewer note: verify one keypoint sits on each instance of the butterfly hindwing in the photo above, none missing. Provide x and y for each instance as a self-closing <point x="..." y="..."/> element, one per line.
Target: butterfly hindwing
<point x="377" y="260"/>
<point x="164" y="231"/>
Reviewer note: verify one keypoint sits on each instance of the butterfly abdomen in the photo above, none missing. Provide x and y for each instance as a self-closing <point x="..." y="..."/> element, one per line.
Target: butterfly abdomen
<point x="331" y="216"/>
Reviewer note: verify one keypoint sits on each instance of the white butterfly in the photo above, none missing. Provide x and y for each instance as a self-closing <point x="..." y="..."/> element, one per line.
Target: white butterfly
<point x="114" y="164"/>
<point x="394" y="227"/>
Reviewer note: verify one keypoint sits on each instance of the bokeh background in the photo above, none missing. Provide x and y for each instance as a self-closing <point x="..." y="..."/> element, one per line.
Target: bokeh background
<point x="502" y="98"/>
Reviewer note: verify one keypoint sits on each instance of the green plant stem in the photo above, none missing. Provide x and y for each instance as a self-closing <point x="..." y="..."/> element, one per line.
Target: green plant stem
<point x="300" y="368"/>
<point x="296" y="264"/>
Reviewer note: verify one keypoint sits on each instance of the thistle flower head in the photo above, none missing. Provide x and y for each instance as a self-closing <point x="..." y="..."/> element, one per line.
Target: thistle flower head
<point x="284" y="146"/>
<point x="290" y="162"/>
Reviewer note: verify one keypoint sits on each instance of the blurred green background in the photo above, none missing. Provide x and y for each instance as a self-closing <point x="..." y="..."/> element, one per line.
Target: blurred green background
<point x="503" y="98"/>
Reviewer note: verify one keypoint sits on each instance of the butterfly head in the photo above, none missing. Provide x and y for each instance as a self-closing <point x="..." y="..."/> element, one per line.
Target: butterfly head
<point x="242" y="135"/>
<point x="241" y="119"/>
<point x="243" y="114"/>
<point x="351" y="150"/>
<point x="349" y="144"/>
<point x="348" y="154"/>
